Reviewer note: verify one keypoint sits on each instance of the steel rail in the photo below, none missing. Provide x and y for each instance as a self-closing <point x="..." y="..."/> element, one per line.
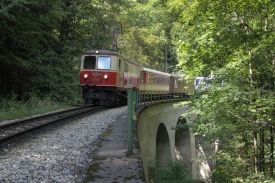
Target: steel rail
<point x="16" y="128"/>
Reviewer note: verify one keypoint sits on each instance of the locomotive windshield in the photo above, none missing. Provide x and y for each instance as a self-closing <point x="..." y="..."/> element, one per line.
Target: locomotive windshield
<point x="89" y="62"/>
<point x="104" y="63"/>
<point x="100" y="62"/>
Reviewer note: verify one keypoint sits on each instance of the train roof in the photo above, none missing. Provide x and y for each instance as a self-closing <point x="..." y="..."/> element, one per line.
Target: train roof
<point x="101" y="52"/>
<point x="155" y="71"/>
<point x="107" y="52"/>
<point x="176" y="75"/>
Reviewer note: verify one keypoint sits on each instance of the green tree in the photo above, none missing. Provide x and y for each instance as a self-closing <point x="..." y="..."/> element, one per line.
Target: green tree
<point x="235" y="40"/>
<point x="147" y="34"/>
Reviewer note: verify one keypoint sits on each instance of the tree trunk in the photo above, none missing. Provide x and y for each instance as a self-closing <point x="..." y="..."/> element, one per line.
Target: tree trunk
<point x="261" y="159"/>
<point x="255" y="152"/>
<point x="246" y="146"/>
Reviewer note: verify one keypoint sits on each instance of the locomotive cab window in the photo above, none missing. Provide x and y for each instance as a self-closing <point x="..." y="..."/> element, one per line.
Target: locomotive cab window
<point x="89" y="62"/>
<point x="104" y="63"/>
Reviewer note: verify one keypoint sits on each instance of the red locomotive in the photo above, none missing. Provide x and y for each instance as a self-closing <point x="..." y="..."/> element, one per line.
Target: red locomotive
<point x="106" y="75"/>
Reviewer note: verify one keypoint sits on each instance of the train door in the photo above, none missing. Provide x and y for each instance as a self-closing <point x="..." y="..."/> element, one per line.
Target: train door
<point x="120" y="77"/>
<point x="125" y="74"/>
<point x="172" y="84"/>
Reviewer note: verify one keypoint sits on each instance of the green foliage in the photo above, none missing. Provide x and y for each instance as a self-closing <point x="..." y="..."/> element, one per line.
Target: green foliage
<point x="234" y="40"/>
<point x="255" y="178"/>
<point x="147" y="34"/>
<point x="211" y="32"/>
<point x="230" y="111"/>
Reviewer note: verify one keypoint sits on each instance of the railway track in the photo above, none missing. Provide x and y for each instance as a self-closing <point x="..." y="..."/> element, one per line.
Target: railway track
<point x="10" y="130"/>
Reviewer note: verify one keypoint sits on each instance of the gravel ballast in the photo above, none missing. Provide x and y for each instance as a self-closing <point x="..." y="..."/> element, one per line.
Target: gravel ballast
<point x="58" y="153"/>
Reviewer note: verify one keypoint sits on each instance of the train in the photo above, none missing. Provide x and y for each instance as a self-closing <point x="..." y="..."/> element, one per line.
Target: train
<point x="106" y="75"/>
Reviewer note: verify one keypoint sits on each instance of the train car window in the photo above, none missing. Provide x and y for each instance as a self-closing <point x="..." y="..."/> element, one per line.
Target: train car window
<point x="125" y="67"/>
<point x="143" y="78"/>
<point x="89" y="62"/>
<point x="176" y="84"/>
<point x="130" y="68"/>
<point x="197" y="82"/>
<point x="119" y="64"/>
<point x="104" y="63"/>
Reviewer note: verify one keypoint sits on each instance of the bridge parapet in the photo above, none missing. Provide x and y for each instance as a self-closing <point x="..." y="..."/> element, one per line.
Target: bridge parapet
<point x="144" y="99"/>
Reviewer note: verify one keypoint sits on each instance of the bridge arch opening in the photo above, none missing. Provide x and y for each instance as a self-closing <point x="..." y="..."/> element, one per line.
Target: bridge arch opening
<point x="163" y="150"/>
<point x="183" y="147"/>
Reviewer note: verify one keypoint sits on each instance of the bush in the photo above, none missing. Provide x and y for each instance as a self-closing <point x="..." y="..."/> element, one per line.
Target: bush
<point x="174" y="172"/>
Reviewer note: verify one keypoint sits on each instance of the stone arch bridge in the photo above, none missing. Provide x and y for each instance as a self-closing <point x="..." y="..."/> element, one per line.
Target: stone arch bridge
<point x="161" y="140"/>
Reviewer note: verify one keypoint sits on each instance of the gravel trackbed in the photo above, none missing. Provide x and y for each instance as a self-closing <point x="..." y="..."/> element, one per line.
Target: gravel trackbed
<point x="59" y="153"/>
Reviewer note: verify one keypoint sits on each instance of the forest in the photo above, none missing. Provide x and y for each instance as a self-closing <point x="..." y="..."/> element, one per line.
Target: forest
<point x="233" y="41"/>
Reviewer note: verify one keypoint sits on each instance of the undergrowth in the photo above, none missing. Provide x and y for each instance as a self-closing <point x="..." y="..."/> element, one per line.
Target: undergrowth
<point x="173" y="172"/>
<point x="12" y="109"/>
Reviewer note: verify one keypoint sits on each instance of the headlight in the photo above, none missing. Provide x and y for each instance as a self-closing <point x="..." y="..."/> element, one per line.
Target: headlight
<point x="105" y="76"/>
<point x="85" y="76"/>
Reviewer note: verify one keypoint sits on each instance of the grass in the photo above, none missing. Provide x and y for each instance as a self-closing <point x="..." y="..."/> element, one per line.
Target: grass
<point x="94" y="168"/>
<point x="90" y="175"/>
<point x="12" y="109"/>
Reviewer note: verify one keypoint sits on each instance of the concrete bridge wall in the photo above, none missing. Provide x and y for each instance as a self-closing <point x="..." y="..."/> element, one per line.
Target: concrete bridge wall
<point x="161" y="140"/>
